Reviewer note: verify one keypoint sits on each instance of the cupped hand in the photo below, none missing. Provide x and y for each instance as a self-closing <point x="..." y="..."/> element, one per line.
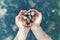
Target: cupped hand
<point x="38" y="17"/>
<point x="19" y="22"/>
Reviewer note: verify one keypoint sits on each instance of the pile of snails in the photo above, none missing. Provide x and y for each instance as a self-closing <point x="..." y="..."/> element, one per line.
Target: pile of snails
<point x="28" y="18"/>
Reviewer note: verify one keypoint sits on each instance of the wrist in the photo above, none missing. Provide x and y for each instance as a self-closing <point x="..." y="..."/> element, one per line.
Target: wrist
<point x="34" y="26"/>
<point x="22" y="34"/>
<point x="24" y="30"/>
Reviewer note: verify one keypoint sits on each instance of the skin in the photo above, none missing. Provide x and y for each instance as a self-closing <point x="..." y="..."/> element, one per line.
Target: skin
<point x="35" y="27"/>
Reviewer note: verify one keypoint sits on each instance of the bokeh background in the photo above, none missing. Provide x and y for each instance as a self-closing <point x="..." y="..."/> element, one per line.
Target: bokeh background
<point x="50" y="10"/>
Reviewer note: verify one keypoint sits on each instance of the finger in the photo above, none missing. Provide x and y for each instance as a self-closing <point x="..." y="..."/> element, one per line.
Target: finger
<point x="35" y="11"/>
<point x="16" y="19"/>
<point x="40" y="16"/>
<point x="24" y="11"/>
<point x="39" y="19"/>
<point x="20" y="12"/>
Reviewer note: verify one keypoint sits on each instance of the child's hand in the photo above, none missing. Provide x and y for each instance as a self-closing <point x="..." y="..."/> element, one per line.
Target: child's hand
<point x="19" y="22"/>
<point x="38" y="17"/>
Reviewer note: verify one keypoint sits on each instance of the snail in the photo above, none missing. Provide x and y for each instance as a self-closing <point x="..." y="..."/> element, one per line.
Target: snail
<point x="28" y="18"/>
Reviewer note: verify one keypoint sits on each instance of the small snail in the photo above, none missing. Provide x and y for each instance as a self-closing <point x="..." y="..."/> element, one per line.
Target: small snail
<point x="28" y="18"/>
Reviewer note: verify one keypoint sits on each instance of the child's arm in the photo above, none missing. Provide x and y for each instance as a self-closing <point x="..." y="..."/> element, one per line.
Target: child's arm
<point x="39" y="33"/>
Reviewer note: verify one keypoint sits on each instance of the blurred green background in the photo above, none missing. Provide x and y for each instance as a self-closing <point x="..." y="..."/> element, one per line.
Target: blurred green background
<point x="59" y="16"/>
<point x="50" y="10"/>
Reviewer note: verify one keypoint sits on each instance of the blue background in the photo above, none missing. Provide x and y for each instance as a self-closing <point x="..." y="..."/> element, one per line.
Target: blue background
<point x="11" y="8"/>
